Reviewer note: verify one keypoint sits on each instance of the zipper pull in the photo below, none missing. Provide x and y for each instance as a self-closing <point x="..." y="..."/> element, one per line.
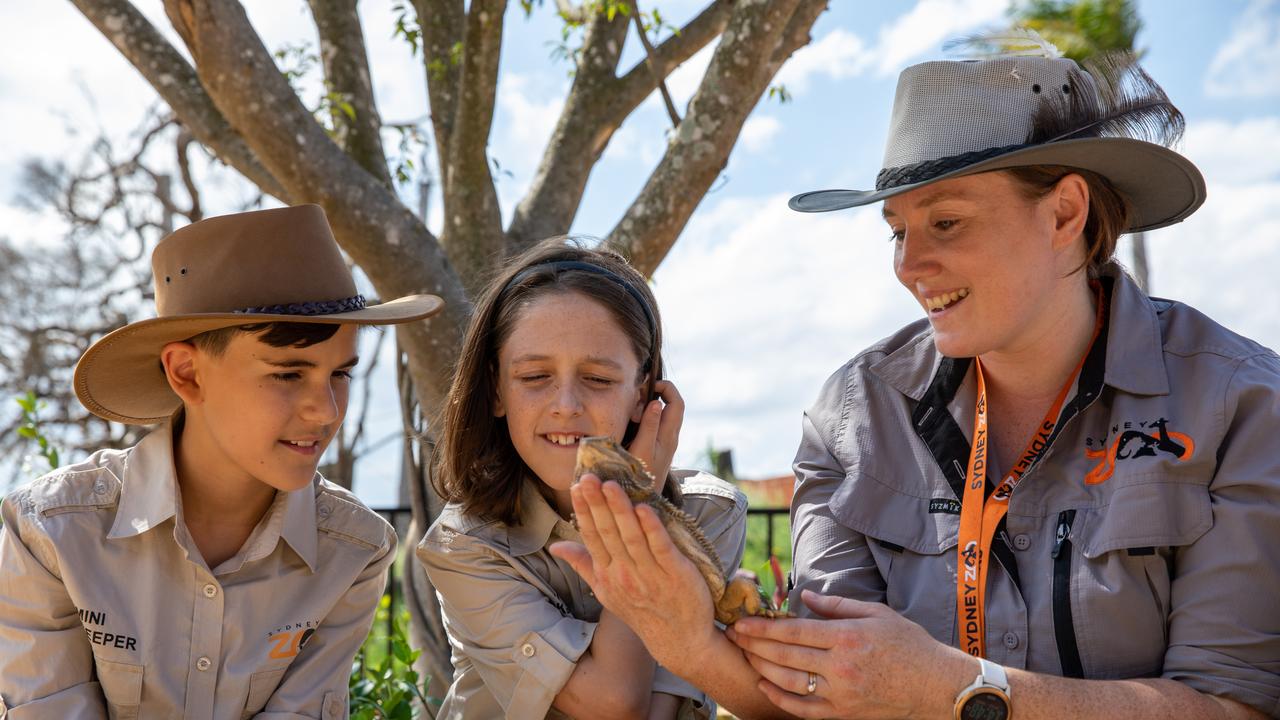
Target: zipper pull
<point x="1064" y="529"/>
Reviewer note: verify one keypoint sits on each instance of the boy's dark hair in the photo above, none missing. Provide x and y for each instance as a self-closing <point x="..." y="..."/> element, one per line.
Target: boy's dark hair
<point x="478" y="466"/>
<point x="275" y="334"/>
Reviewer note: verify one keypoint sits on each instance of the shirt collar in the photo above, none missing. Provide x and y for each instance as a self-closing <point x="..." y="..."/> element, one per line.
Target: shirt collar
<point x="299" y="529"/>
<point x="149" y="497"/>
<point x="538" y="523"/>
<point x="1135" y="345"/>
<point x="148" y="489"/>
<point x="1135" y="355"/>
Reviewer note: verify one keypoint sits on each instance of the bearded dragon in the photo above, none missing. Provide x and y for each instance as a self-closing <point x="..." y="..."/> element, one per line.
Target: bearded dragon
<point x="733" y="597"/>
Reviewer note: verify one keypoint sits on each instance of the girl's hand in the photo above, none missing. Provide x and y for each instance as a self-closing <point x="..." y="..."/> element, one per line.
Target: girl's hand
<point x="655" y="441"/>
<point x="637" y="573"/>
<point x="868" y="662"/>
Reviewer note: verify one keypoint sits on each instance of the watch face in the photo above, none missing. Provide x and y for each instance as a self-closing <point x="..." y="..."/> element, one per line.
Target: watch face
<point x="985" y="706"/>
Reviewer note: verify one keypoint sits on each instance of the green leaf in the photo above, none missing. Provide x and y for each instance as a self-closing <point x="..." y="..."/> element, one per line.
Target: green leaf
<point x="28" y="432"/>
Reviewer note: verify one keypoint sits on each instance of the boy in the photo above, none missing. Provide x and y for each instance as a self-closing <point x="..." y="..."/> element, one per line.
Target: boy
<point x="208" y="571"/>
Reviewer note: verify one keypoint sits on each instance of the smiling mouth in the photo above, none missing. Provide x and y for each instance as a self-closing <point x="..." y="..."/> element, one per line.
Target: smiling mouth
<point x="941" y="302"/>
<point x="304" y="447"/>
<point x="563" y="439"/>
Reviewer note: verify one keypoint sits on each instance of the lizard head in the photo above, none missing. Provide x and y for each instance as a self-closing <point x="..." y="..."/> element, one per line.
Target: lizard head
<point x="605" y="458"/>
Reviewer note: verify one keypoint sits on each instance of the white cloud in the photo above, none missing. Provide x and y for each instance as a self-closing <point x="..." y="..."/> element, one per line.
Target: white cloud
<point x="1232" y="153"/>
<point x="758" y="132"/>
<point x="1248" y="63"/>
<point x="839" y="54"/>
<point x="929" y="24"/>
<point x="761" y="305"/>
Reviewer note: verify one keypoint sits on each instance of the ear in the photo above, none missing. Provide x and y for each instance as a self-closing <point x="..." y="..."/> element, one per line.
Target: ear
<point x="181" y="361"/>
<point x="637" y="412"/>
<point x="1070" y="205"/>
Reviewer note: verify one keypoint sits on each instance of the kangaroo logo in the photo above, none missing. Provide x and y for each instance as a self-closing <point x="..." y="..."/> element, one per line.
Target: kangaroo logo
<point x="1135" y="444"/>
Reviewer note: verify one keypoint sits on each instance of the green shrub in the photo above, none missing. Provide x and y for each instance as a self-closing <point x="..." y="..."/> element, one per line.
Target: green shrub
<point x="384" y="685"/>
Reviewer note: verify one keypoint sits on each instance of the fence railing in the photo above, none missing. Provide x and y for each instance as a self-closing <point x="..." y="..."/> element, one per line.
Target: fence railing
<point x="399" y="518"/>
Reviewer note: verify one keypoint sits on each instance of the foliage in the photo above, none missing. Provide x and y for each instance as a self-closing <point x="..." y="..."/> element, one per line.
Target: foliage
<point x="757" y="555"/>
<point x="384" y="685"/>
<point x="1081" y="28"/>
<point x="30" y="428"/>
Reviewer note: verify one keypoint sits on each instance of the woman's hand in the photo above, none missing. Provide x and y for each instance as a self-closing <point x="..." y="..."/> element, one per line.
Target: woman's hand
<point x="637" y="573"/>
<point x="655" y="440"/>
<point x="867" y="660"/>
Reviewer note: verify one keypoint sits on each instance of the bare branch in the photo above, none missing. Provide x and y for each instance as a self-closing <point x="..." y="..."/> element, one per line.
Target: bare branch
<point x="638" y="82"/>
<point x="472" y="220"/>
<point x="379" y="233"/>
<point x="586" y="123"/>
<point x="346" y="70"/>
<point x="184" y="167"/>
<point x="655" y="65"/>
<point x="740" y="71"/>
<point x="170" y="74"/>
<point x="442" y="23"/>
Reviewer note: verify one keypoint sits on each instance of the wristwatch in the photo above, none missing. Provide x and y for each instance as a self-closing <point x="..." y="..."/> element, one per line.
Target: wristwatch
<point x="987" y="698"/>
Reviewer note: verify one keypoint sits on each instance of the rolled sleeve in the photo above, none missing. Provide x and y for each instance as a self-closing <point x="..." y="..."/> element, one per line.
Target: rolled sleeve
<point x="1224" y="629"/>
<point x="826" y="556"/>
<point x="523" y="647"/>
<point x="46" y="665"/>
<point x="315" y="684"/>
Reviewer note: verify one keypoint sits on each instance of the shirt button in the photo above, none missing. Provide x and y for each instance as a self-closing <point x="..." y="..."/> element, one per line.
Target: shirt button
<point x="527" y="650"/>
<point x="99" y="487"/>
<point x="323" y="511"/>
<point x="1021" y="542"/>
<point x="203" y="664"/>
<point x="1011" y="640"/>
<point x="210" y="590"/>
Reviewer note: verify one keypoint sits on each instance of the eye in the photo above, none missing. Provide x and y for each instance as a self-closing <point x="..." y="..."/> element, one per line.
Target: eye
<point x="287" y="376"/>
<point x="343" y="374"/>
<point x="600" y="381"/>
<point x="530" y="378"/>
<point x="895" y="236"/>
<point x="945" y="225"/>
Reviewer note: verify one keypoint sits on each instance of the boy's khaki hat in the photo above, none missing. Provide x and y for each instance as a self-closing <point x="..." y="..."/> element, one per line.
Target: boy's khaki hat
<point x="265" y="266"/>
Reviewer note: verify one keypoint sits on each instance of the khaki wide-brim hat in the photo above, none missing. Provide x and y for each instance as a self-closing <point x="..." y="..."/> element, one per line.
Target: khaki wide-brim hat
<point x="266" y="266"/>
<point x="954" y="118"/>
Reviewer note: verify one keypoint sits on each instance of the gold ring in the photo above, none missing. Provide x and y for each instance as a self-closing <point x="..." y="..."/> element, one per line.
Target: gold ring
<point x="813" y="683"/>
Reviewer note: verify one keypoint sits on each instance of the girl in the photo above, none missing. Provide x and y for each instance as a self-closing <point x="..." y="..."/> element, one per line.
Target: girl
<point x="565" y="344"/>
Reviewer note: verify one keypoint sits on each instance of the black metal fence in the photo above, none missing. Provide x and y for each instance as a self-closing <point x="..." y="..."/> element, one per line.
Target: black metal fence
<point x="399" y="518"/>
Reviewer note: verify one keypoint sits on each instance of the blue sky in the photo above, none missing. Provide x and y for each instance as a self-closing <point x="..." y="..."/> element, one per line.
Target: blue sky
<point x="761" y="304"/>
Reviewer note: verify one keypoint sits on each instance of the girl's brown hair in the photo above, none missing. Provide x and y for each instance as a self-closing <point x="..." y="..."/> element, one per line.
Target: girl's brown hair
<point x="1109" y="210"/>
<point x="478" y="466"/>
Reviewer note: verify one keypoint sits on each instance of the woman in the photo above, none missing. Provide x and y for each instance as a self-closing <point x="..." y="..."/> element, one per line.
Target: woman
<point x="1084" y="472"/>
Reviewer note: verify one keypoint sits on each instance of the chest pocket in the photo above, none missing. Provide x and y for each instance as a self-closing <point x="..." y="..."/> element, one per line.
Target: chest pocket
<point x="121" y="686"/>
<point x="914" y="549"/>
<point x="1121" y="582"/>
<point x="261" y="686"/>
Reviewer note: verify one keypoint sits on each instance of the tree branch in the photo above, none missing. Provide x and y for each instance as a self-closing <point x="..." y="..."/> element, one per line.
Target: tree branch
<point x="580" y="136"/>
<point x="655" y="67"/>
<point x="744" y="63"/>
<point x="442" y="23"/>
<point x="176" y="82"/>
<point x="638" y="82"/>
<point x="380" y="234"/>
<point x="472" y="220"/>
<point x="346" y="71"/>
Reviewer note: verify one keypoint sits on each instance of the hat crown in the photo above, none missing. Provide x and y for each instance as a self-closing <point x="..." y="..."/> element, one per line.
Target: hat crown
<point x="952" y="107"/>
<point x="250" y="260"/>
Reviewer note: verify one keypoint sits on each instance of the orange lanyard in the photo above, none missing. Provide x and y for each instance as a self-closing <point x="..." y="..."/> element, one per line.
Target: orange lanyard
<point x="978" y="522"/>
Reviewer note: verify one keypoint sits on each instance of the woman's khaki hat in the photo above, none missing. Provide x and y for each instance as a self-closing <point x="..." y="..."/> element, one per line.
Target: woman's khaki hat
<point x="953" y="118"/>
<point x="265" y="266"/>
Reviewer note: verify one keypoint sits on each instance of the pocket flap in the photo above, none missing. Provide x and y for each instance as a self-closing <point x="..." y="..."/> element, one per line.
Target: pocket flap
<point x="261" y="686"/>
<point x="121" y="682"/>
<point x="881" y="511"/>
<point x="1149" y="514"/>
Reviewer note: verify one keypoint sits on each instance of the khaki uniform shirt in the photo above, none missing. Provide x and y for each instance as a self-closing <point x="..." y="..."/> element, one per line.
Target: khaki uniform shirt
<point x="518" y="618"/>
<point x="1143" y="543"/>
<point x="108" y="610"/>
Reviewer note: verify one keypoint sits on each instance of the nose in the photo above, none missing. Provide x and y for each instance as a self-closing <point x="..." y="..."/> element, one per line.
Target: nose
<point x="912" y="259"/>
<point x="323" y="404"/>
<point x="566" y="401"/>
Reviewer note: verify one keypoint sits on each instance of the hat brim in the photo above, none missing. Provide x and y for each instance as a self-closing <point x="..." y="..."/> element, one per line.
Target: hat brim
<point x="119" y="378"/>
<point x="1162" y="187"/>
